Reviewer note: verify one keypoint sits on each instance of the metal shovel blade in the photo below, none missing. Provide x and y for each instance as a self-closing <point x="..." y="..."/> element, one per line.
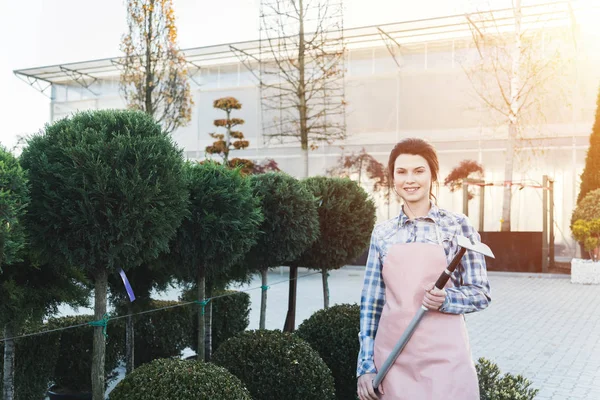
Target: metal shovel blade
<point x="478" y="247"/>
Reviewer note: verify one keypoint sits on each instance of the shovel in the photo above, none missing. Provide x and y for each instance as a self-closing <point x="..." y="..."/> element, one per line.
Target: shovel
<point x="464" y="244"/>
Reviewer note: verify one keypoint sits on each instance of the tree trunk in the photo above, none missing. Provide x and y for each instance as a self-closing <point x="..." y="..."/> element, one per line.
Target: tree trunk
<point x="149" y="87"/>
<point x="227" y="140"/>
<point x="201" y="280"/>
<point x="99" y="352"/>
<point x="263" y="299"/>
<point x="9" y="364"/>
<point x="515" y="84"/>
<point x="129" y="341"/>
<point x="360" y="163"/>
<point x="290" y="319"/>
<point x="301" y="91"/>
<point x="208" y="322"/>
<point x="325" y="274"/>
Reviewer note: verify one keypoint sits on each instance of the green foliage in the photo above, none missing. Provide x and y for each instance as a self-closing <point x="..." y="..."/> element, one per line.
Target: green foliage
<point x="588" y="233"/>
<point x="230" y="316"/>
<point x="291" y="222"/>
<point x="222" y="225"/>
<point x="346" y="216"/>
<point x="590" y="178"/>
<point x="35" y="358"/>
<point x="276" y="365"/>
<point x="74" y="365"/>
<point x="13" y="200"/>
<point x="588" y="208"/>
<point x="492" y="386"/>
<point x="107" y="190"/>
<point x="333" y="333"/>
<point x="159" y="334"/>
<point x="29" y="291"/>
<point x="180" y="380"/>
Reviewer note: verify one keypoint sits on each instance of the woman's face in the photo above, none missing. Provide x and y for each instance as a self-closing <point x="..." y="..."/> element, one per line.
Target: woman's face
<point x="412" y="178"/>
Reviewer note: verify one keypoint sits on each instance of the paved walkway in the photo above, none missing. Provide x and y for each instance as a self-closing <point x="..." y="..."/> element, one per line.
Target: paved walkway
<point x="546" y="329"/>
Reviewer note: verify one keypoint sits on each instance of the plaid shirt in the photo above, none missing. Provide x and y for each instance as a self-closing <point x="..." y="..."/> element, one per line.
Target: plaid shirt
<point x="471" y="291"/>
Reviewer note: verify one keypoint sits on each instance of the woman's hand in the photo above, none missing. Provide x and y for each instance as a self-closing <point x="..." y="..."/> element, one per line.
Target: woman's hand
<point x="434" y="298"/>
<point x="365" y="389"/>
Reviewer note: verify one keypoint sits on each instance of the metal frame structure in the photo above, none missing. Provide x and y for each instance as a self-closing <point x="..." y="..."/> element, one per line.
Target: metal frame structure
<point x="402" y="35"/>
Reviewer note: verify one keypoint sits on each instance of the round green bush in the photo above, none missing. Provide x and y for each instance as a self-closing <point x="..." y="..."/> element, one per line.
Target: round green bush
<point x="276" y="365"/>
<point x="333" y="333"/>
<point x="346" y="219"/>
<point x="172" y="379"/>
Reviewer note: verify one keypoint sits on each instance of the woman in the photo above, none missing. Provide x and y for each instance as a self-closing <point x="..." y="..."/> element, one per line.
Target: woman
<point x="406" y="256"/>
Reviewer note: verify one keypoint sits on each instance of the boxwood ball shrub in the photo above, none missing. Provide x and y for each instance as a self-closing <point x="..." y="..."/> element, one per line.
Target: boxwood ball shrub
<point x="333" y="333"/>
<point x="171" y="379"/>
<point x="276" y="365"/>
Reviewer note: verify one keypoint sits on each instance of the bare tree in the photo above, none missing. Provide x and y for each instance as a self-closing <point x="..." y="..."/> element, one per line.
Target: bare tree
<point x="154" y="74"/>
<point x="301" y="72"/>
<point x="514" y="74"/>
<point x="301" y="78"/>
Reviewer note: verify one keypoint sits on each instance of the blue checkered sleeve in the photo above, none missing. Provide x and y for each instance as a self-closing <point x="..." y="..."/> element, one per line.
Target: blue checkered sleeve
<point x="472" y="293"/>
<point x="371" y="305"/>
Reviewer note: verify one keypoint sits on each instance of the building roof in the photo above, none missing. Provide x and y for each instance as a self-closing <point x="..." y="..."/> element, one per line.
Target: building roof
<point x="403" y="35"/>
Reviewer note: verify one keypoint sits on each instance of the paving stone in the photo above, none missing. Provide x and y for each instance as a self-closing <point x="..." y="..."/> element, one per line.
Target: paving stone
<point x="547" y="329"/>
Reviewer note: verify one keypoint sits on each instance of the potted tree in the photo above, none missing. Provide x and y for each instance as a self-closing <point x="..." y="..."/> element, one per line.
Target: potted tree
<point x="586" y="230"/>
<point x="221" y="227"/>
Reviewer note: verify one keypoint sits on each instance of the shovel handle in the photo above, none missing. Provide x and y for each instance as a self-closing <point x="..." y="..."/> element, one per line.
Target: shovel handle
<point x="443" y="279"/>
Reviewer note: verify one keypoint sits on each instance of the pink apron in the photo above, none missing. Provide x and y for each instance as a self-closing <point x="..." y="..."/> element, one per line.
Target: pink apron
<point x="436" y="363"/>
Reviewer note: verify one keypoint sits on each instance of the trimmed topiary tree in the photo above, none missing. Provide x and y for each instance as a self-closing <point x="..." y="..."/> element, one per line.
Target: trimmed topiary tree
<point x="276" y="365"/>
<point x="29" y="291"/>
<point x="333" y="333"/>
<point x="13" y="200"/>
<point x="290" y="226"/>
<point x="221" y="227"/>
<point x="346" y="216"/>
<point x="107" y="193"/>
<point x="167" y="379"/>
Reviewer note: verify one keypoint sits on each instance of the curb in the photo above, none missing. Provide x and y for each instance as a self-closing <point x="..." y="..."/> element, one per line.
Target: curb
<point x="528" y="275"/>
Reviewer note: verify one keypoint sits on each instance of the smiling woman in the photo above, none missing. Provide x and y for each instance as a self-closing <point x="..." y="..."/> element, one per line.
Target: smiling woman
<point x="406" y="255"/>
